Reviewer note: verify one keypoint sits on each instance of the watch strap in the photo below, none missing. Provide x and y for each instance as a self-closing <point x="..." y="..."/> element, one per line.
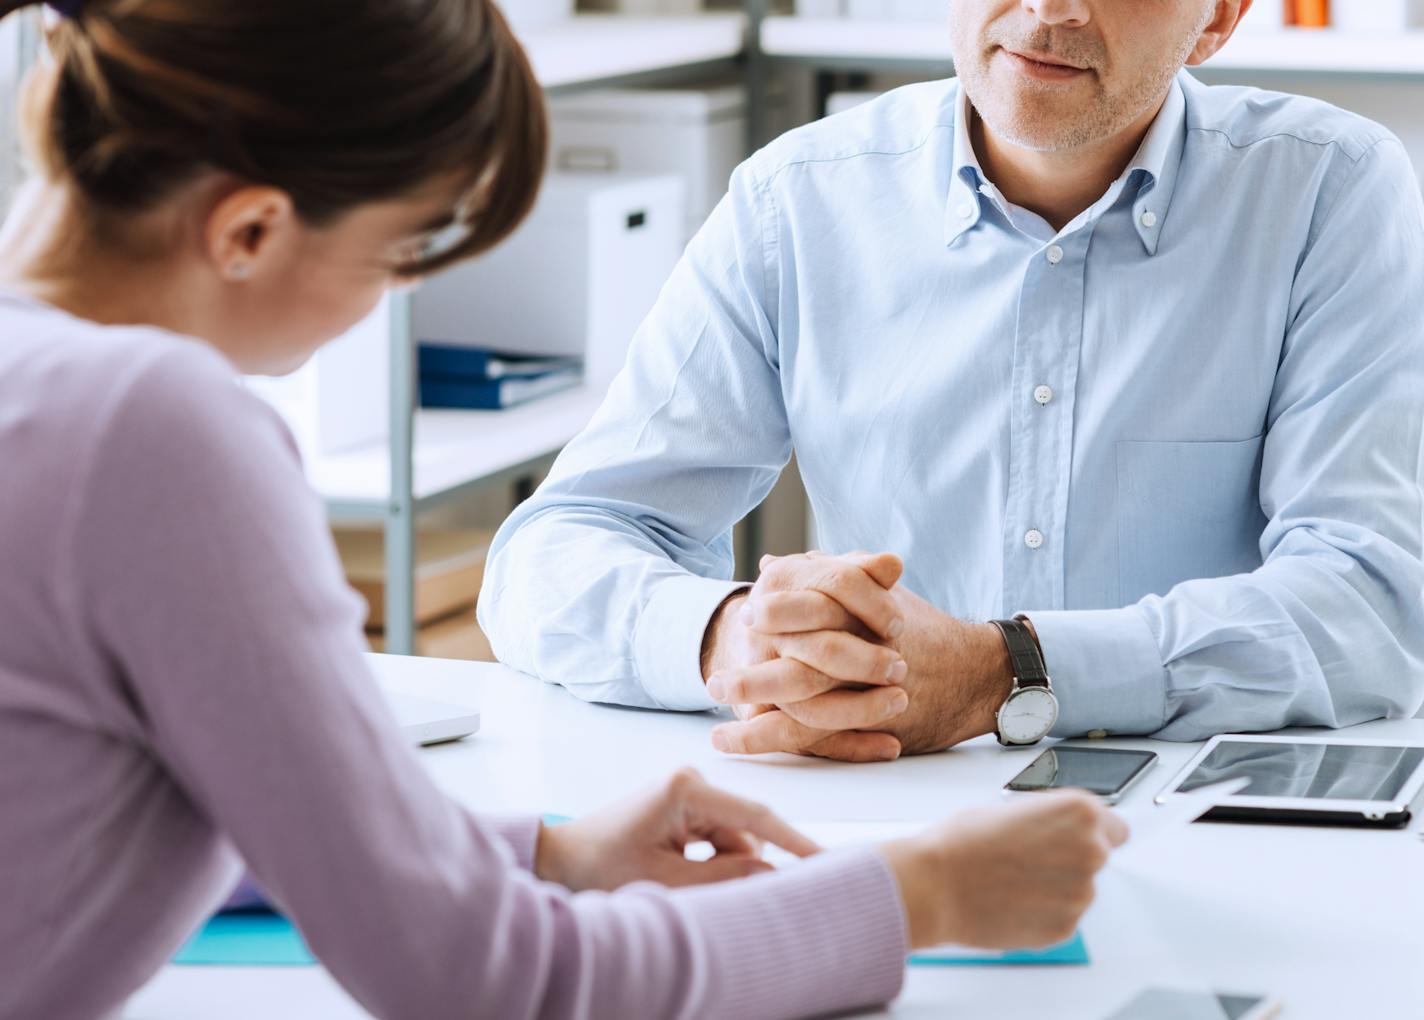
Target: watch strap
<point x="1024" y="656"/>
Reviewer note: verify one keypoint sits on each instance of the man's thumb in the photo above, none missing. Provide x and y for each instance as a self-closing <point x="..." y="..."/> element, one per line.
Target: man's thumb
<point x="884" y="568"/>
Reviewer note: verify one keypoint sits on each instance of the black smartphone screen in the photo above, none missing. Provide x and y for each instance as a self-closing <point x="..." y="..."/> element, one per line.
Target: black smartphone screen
<point x="1102" y="770"/>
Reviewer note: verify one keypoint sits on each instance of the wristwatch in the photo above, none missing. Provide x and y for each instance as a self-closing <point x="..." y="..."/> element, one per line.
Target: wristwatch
<point x="1031" y="708"/>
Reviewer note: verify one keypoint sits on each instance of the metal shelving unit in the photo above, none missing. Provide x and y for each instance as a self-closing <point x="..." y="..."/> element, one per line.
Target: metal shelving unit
<point x="866" y="46"/>
<point x="432" y="456"/>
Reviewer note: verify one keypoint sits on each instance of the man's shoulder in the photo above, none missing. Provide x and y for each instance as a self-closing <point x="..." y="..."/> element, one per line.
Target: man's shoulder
<point x="1246" y="118"/>
<point x="897" y="123"/>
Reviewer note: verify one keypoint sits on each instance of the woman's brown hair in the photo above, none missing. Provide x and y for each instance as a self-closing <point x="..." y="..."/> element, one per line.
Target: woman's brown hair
<point x="336" y="102"/>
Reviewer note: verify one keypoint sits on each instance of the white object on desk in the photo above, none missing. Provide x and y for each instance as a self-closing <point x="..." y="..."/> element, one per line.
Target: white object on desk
<point x="431" y="722"/>
<point x="1335" y="777"/>
<point x="1326" y="919"/>
<point x="1150" y="822"/>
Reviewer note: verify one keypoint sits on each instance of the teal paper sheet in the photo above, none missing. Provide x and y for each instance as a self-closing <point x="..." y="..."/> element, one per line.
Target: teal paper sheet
<point x="259" y="938"/>
<point x="256" y="938"/>
<point x="247" y="938"/>
<point x="1074" y="951"/>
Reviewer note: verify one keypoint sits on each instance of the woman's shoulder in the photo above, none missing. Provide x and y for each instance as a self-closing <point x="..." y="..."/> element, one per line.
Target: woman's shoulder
<point x="136" y="388"/>
<point x="180" y="395"/>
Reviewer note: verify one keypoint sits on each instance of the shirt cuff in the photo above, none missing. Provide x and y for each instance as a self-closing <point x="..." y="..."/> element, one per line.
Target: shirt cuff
<point x="520" y="832"/>
<point x="823" y="936"/>
<point x="1106" y="670"/>
<point x="668" y="645"/>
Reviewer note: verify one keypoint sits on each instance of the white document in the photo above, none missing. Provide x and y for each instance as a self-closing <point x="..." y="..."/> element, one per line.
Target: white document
<point x="843" y="835"/>
<point x="1151" y="822"/>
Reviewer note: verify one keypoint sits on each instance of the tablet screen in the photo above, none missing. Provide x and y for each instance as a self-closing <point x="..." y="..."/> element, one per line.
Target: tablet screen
<point x="1315" y="771"/>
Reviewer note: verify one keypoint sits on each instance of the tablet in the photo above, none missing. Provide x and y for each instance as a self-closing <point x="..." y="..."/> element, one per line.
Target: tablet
<point x="1310" y="780"/>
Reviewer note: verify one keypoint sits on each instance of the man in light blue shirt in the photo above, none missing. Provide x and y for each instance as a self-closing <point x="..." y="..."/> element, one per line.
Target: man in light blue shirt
<point x="1073" y="336"/>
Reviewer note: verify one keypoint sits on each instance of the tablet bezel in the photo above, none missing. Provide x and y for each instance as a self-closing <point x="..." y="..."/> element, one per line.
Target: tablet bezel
<point x="1374" y="810"/>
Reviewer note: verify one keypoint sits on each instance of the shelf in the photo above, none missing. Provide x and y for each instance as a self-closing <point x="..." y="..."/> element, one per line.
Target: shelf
<point x="1311" y="51"/>
<point x="850" y="42"/>
<point x="452" y="449"/>
<point x="853" y="40"/>
<point x="591" y="49"/>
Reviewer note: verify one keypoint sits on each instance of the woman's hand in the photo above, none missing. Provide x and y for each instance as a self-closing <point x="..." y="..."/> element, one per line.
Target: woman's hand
<point x="644" y="839"/>
<point x="1014" y="876"/>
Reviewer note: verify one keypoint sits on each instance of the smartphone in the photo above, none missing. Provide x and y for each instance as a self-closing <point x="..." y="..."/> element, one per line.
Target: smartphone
<point x="1106" y="771"/>
<point x="1174" y="1004"/>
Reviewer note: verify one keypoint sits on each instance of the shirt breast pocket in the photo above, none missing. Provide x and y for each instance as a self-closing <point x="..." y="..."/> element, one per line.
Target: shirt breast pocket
<point x="1186" y="510"/>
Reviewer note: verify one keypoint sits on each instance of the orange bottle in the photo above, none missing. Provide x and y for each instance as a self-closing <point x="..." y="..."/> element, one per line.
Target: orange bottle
<point x="1312" y="13"/>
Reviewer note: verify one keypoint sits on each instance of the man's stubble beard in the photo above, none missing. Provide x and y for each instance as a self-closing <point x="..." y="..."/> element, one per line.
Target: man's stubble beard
<point x="1012" y="114"/>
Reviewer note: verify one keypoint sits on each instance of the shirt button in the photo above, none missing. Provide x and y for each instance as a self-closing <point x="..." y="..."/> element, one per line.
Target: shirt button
<point x="1044" y="394"/>
<point x="1055" y="254"/>
<point x="1033" y="539"/>
<point x="965" y="211"/>
<point x="1149" y="218"/>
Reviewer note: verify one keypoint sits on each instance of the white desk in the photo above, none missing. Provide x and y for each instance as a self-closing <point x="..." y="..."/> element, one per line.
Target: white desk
<point x="1332" y="921"/>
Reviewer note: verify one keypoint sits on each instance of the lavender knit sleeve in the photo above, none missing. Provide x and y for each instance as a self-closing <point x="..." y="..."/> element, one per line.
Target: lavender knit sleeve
<point x="205" y="567"/>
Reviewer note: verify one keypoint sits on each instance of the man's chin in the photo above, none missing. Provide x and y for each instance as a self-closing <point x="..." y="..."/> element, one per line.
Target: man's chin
<point x="1039" y="132"/>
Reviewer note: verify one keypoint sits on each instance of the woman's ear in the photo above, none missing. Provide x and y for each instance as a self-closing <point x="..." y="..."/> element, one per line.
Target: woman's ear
<point x="247" y="231"/>
<point x="1224" y="19"/>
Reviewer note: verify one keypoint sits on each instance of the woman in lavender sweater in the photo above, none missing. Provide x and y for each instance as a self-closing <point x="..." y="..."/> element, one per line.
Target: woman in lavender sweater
<point x="221" y="186"/>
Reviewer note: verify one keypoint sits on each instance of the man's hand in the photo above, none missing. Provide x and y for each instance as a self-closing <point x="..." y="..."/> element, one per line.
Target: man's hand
<point x="1014" y="876"/>
<point x="803" y="657"/>
<point x="645" y="839"/>
<point x="957" y="673"/>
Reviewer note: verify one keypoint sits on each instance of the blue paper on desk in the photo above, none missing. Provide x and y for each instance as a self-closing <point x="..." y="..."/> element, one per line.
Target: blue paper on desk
<point x="247" y="938"/>
<point x="257" y="937"/>
<point x="261" y="938"/>
<point x="1074" y="951"/>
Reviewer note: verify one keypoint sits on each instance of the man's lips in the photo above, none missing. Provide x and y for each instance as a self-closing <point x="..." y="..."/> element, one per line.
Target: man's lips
<point x="1042" y="66"/>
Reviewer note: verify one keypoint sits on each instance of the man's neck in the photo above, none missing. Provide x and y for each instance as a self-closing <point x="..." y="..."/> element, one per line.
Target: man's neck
<point x="1057" y="185"/>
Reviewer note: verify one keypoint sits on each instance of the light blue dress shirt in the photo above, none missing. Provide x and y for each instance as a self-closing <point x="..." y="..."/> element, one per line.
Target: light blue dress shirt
<point x="1183" y="433"/>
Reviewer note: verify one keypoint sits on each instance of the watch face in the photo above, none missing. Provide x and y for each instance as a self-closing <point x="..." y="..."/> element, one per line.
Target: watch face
<point x="1028" y="715"/>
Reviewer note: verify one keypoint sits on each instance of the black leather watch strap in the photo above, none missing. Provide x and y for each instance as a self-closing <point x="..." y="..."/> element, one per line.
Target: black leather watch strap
<point x="1024" y="656"/>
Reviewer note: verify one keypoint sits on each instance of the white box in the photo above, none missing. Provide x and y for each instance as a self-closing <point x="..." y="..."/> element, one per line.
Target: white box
<point x="839" y="102"/>
<point x="698" y="134"/>
<point x="1377" y="15"/>
<point x="868" y="10"/>
<point x="341" y="398"/>
<point x="925" y="12"/>
<point x="528" y="15"/>
<point x="1268" y="16"/>
<point x="576" y="279"/>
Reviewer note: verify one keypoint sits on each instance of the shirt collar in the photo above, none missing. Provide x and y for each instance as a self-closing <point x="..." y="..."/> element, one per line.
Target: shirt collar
<point x="1156" y="164"/>
<point x="963" y="210"/>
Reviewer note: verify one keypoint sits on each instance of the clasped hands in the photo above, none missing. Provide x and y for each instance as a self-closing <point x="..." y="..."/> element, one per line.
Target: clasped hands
<point x="831" y="656"/>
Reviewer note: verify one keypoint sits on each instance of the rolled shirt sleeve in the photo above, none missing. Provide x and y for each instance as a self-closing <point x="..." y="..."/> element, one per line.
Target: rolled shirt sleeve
<point x="604" y="581"/>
